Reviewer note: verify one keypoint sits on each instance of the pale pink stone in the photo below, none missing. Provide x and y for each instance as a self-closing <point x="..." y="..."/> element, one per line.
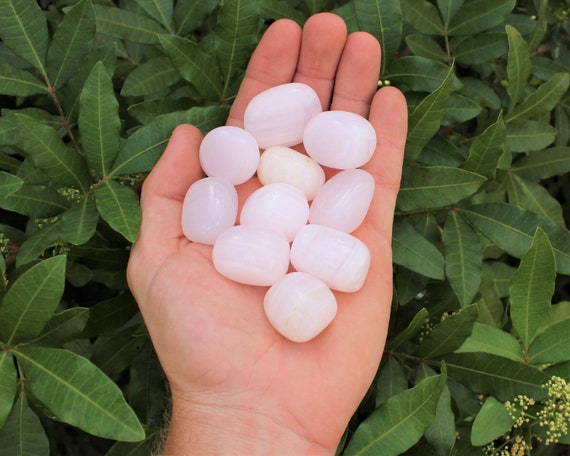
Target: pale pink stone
<point x="344" y="200"/>
<point x="251" y="255"/>
<point x="230" y="153"/>
<point x="300" y="306"/>
<point x="340" y="139"/>
<point x="210" y="207"/>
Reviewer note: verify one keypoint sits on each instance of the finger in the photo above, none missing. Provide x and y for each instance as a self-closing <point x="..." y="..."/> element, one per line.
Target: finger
<point x="273" y="63"/>
<point x="357" y="75"/>
<point x="324" y="37"/>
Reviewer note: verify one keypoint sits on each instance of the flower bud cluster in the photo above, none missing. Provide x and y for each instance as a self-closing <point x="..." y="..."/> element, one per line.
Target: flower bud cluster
<point x="555" y="413"/>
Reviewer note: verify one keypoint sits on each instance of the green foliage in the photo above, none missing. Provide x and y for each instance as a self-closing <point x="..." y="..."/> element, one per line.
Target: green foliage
<point x="90" y="92"/>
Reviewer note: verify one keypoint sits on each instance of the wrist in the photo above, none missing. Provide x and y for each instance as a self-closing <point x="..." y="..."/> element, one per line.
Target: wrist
<point x="234" y="430"/>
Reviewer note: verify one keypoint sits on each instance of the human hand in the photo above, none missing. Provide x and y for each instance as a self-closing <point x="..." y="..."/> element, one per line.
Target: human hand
<point x="238" y="386"/>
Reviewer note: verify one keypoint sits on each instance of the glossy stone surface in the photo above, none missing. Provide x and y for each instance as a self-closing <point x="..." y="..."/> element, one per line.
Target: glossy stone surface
<point x="344" y="200"/>
<point x="278" y="116"/>
<point x="210" y="207"/>
<point x="280" y="207"/>
<point x="284" y="165"/>
<point x="251" y="255"/>
<point x="339" y="259"/>
<point x="230" y="153"/>
<point x="300" y="306"/>
<point x="340" y="139"/>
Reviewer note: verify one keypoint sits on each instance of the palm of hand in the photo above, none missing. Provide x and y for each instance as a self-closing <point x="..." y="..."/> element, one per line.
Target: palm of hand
<point x="212" y="337"/>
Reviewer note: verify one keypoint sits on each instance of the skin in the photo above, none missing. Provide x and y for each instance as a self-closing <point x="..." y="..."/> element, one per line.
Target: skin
<point x="237" y="386"/>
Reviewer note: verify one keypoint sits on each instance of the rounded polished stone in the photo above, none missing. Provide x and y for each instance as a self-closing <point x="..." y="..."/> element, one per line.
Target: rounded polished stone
<point x="210" y="207"/>
<point x="284" y="165"/>
<point x="339" y="259"/>
<point x="278" y="116"/>
<point x="340" y="139"/>
<point x="300" y="306"/>
<point x="280" y="207"/>
<point x="251" y="255"/>
<point x="344" y="200"/>
<point x="229" y="152"/>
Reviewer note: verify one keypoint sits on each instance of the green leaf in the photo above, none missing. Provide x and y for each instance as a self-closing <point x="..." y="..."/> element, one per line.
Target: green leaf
<point x="114" y="353"/>
<point x="449" y="334"/>
<point x="427" y="47"/>
<point x="235" y="37"/>
<point x="188" y="16"/>
<point x="194" y="65"/>
<point x="463" y="257"/>
<point x="415" y="252"/>
<point x="518" y="65"/>
<point x="543" y="100"/>
<point x="423" y="16"/>
<point x="505" y="379"/>
<point x="9" y="184"/>
<point x="398" y="423"/>
<point x="45" y="148"/>
<point x="479" y="15"/>
<point x="426" y="187"/>
<point x="78" y="393"/>
<point x="512" y="229"/>
<point x="23" y="28"/>
<point x="421" y="74"/>
<point x="33" y="247"/>
<point x="410" y="331"/>
<point x="99" y="121"/>
<point x="36" y="201"/>
<point x="8" y="385"/>
<point x="487" y="149"/>
<point x="142" y="149"/>
<point x="23" y="433"/>
<point x="441" y="432"/>
<point x="63" y="327"/>
<point x="529" y="135"/>
<point x="426" y="118"/>
<point x="486" y="339"/>
<point x="538" y="165"/>
<point x="448" y="9"/>
<point x="72" y="40"/>
<point x="152" y="76"/>
<point x="279" y="9"/>
<point x="383" y="19"/>
<point x="79" y="223"/>
<point x="460" y="109"/>
<point x="533" y="197"/>
<point x="441" y="152"/>
<point x="109" y="315"/>
<point x="480" y="48"/>
<point x="492" y="421"/>
<point x="551" y="345"/>
<point x="391" y="381"/>
<point x="130" y="26"/>
<point x="142" y="448"/>
<point x="31" y="300"/>
<point x="119" y="207"/>
<point x="17" y="82"/>
<point x="160" y="10"/>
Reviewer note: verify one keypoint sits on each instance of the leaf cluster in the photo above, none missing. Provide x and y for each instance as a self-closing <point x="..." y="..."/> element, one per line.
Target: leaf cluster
<point x="90" y="92"/>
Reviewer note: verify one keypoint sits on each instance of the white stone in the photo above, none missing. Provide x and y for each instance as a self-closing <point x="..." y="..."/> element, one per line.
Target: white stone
<point x="280" y="207"/>
<point x="339" y="259"/>
<point x="210" y="207"/>
<point x="278" y="116"/>
<point x="300" y="306"/>
<point x="229" y="152"/>
<point x="344" y="200"/>
<point x="251" y="255"/>
<point x="340" y="139"/>
<point x="280" y="164"/>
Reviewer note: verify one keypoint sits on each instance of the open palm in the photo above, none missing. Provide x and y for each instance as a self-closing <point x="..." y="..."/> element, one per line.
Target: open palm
<point x="223" y="360"/>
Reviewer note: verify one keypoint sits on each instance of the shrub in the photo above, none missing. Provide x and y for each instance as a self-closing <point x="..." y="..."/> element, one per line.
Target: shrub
<point x="476" y="360"/>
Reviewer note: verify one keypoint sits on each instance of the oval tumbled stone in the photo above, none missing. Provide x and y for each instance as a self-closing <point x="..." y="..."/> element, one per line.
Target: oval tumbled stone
<point x="344" y="200"/>
<point x="230" y="153"/>
<point x="340" y="139"/>
<point x="251" y="255"/>
<point x="284" y="165"/>
<point x="337" y="258"/>
<point x="300" y="306"/>
<point x="210" y="207"/>
<point x="278" y="116"/>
